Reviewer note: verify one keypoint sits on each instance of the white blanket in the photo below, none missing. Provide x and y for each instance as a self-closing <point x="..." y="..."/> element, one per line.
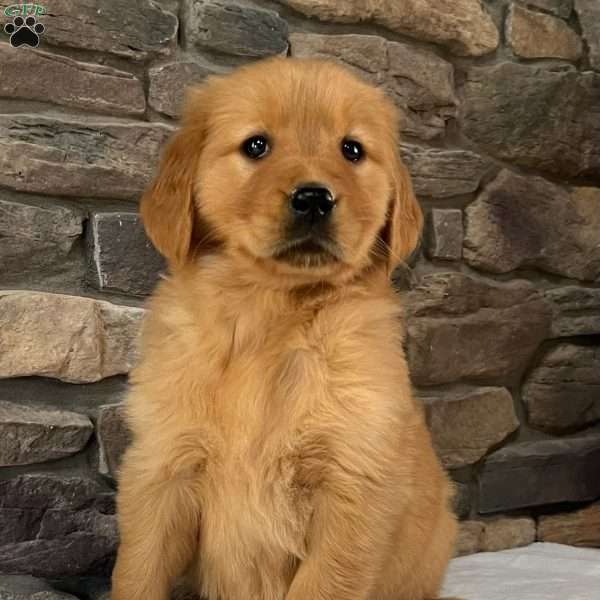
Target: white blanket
<point x="538" y="572"/>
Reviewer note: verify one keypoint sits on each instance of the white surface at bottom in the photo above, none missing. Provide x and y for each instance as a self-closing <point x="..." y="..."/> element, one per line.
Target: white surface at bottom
<point x="538" y="572"/>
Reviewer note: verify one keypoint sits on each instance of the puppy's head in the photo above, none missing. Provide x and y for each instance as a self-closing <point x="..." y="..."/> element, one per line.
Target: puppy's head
<point x="291" y="165"/>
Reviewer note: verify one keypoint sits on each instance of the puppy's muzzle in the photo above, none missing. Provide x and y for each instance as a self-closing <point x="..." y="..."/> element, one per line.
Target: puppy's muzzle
<point x="311" y="204"/>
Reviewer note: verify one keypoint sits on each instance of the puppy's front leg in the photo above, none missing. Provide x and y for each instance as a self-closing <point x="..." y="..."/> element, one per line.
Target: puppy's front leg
<point x="158" y="523"/>
<point x="349" y="538"/>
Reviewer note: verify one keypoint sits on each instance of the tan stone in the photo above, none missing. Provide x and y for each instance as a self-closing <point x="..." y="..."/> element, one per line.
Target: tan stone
<point x="539" y="117"/>
<point x="501" y="534"/>
<point x="465" y="425"/>
<point x="62" y="80"/>
<point x="464" y="328"/>
<point x="78" y="156"/>
<point x="578" y="528"/>
<point x="65" y="337"/>
<point x="536" y="35"/>
<point x="513" y="224"/>
<point x="461" y="25"/>
<point x="420" y="82"/>
<point x="561" y="393"/>
<point x="469" y="538"/>
<point x="168" y="82"/>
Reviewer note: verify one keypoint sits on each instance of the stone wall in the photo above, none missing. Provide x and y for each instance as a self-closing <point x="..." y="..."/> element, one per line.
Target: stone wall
<point x="501" y="119"/>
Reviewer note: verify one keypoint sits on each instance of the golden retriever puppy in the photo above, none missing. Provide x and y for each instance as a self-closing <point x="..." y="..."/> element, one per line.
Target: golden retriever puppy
<point x="277" y="450"/>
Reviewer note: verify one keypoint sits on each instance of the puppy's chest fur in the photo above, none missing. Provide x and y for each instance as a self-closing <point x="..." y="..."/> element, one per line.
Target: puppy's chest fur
<point x="271" y="401"/>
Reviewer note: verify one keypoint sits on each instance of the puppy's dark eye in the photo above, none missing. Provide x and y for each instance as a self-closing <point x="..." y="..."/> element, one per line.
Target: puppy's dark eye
<point x="256" y="146"/>
<point x="352" y="150"/>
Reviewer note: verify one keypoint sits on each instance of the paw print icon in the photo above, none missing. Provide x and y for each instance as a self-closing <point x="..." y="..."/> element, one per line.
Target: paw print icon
<point x="24" y="32"/>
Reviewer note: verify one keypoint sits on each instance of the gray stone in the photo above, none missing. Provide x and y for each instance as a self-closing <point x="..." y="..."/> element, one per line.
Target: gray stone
<point x="466" y="424"/>
<point x="29" y="435"/>
<point x="78" y="157"/>
<point x="535" y="35"/>
<point x="444" y="234"/>
<point x="23" y="587"/>
<point x="40" y="241"/>
<point x="461" y="25"/>
<point x="234" y="28"/>
<point x="446" y="315"/>
<point x="562" y="8"/>
<point x="73" y="529"/>
<point x="169" y="81"/>
<point x="61" y="80"/>
<point x="122" y="258"/>
<point x="137" y="29"/>
<point x="442" y="173"/>
<point x="562" y="392"/>
<point x="540" y="472"/>
<point x="502" y="534"/>
<point x="577" y="528"/>
<point x="588" y="12"/>
<point x="462" y="500"/>
<point x="113" y="438"/>
<point x="420" y="82"/>
<point x="576" y="310"/>
<point x="67" y="337"/>
<point x="535" y="117"/>
<point x="512" y="224"/>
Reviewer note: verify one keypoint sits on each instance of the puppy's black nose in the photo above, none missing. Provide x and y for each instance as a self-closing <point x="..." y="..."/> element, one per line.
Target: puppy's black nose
<point x="311" y="203"/>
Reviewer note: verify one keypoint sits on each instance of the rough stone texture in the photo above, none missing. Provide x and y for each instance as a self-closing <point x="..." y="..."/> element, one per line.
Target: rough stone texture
<point x="234" y="28"/>
<point x="576" y="310"/>
<point x="62" y="80"/>
<point x="23" y="587"/>
<point x="512" y="225"/>
<point x="168" y="83"/>
<point x="83" y="157"/>
<point x="419" y="81"/>
<point x="441" y="172"/>
<point x="461" y="25"/>
<point x="501" y="534"/>
<point x="588" y="12"/>
<point x="462" y="500"/>
<point x="446" y="315"/>
<point x="578" y="528"/>
<point x="67" y="337"/>
<point x="465" y="425"/>
<point x="113" y="438"/>
<point x="66" y="523"/>
<point x="562" y="8"/>
<point x="469" y="538"/>
<point x="444" y="234"/>
<point x="134" y="29"/>
<point x="39" y="240"/>
<point x="536" y="117"/>
<point x="540" y="472"/>
<point x="535" y="35"/>
<point x="562" y="392"/>
<point x="30" y="435"/>
<point x="122" y="258"/>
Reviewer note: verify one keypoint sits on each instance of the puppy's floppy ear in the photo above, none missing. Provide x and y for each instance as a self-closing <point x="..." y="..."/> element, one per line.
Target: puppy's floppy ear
<point x="404" y="221"/>
<point x="167" y="207"/>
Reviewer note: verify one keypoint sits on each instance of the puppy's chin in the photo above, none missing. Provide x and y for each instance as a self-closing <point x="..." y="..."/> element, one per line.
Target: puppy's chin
<point x="307" y="253"/>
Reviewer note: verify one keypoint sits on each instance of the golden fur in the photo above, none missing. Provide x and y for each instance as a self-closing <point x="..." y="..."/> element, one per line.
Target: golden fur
<point x="277" y="449"/>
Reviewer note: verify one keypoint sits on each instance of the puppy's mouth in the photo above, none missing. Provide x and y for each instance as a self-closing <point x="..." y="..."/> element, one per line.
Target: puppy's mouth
<point x="307" y="251"/>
